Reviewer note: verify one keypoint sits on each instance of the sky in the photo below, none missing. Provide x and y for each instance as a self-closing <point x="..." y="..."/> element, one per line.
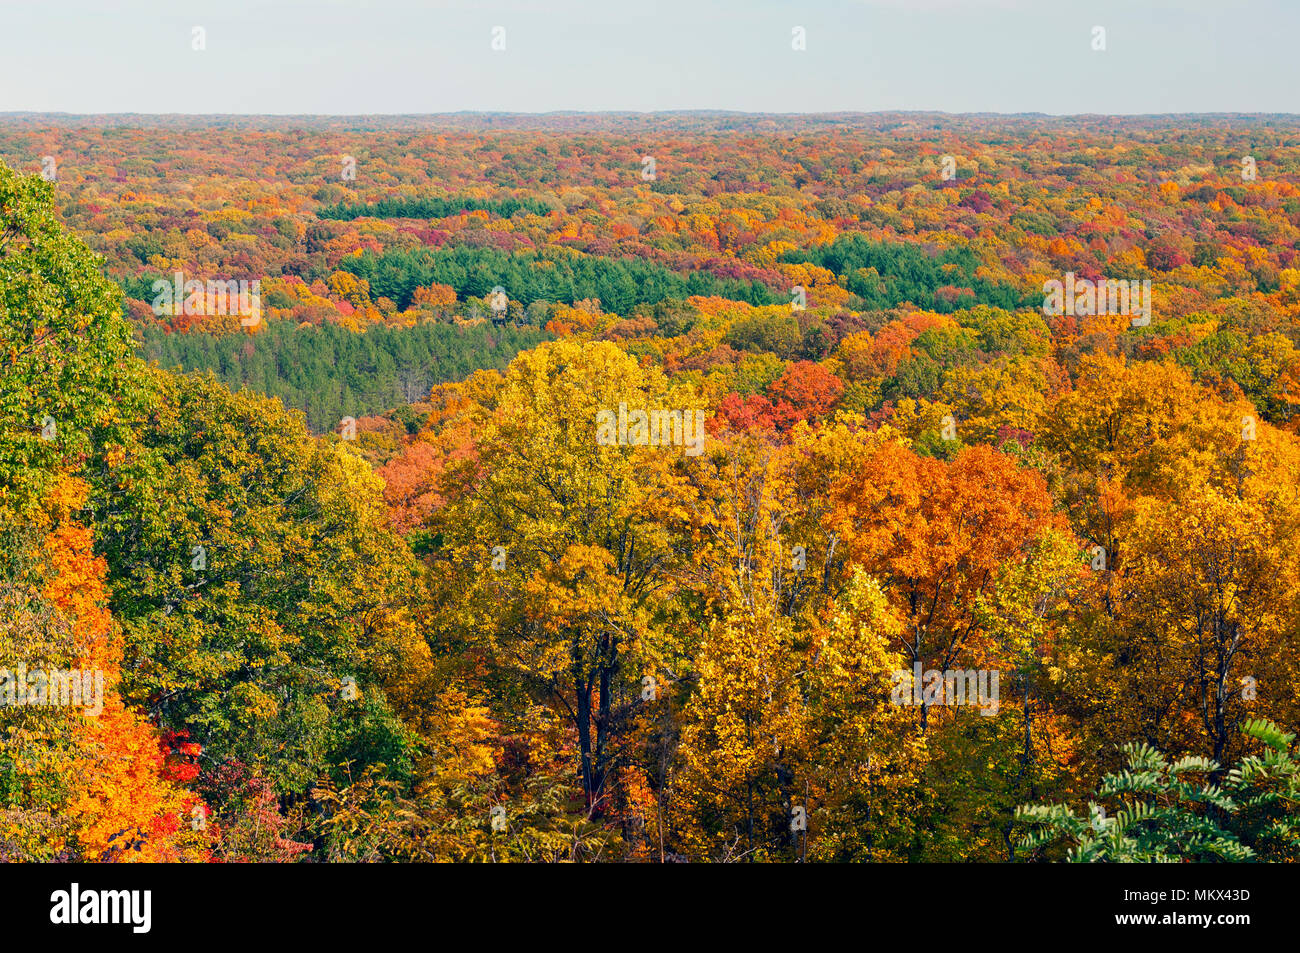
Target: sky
<point x="365" y="57"/>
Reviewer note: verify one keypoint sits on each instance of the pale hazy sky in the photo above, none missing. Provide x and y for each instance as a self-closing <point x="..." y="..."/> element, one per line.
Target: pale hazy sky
<point x="405" y="56"/>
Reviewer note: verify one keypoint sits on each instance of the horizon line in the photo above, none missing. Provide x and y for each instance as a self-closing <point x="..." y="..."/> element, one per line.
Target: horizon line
<point x="702" y="111"/>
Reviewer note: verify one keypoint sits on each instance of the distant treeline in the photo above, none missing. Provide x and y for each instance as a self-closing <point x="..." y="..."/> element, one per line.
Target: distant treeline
<point x="887" y="274"/>
<point x="330" y="373"/>
<point x="432" y="208"/>
<point x="553" y="275"/>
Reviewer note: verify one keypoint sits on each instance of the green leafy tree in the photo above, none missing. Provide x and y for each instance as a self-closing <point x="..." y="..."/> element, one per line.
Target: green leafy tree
<point x="254" y="575"/>
<point x="67" y="379"/>
<point x="1178" y="811"/>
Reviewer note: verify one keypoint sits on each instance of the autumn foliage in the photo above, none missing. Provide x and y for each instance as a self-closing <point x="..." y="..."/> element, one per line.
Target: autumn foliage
<point x="381" y="588"/>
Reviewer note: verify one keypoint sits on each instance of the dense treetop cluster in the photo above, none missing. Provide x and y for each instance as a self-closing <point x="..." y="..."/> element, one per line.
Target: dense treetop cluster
<point x="368" y="584"/>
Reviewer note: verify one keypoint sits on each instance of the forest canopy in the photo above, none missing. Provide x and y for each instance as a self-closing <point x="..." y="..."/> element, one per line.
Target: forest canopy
<point x="769" y="507"/>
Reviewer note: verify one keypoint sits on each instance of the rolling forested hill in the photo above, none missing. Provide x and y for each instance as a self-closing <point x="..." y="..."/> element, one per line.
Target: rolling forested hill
<point x="900" y="487"/>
